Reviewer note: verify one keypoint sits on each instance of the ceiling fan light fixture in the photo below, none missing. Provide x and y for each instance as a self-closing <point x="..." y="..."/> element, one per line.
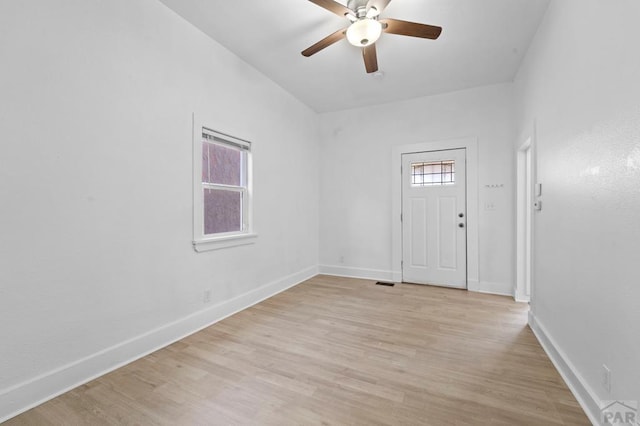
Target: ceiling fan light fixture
<point x="364" y="32"/>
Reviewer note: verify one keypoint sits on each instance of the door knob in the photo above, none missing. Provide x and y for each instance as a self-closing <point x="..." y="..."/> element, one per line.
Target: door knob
<point x="460" y="214"/>
<point x="461" y="225"/>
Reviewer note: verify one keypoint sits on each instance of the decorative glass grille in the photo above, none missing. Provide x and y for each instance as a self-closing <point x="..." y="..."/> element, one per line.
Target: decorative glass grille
<point x="433" y="173"/>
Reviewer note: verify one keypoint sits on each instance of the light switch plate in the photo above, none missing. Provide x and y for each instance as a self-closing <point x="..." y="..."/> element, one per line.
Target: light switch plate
<point x="538" y="190"/>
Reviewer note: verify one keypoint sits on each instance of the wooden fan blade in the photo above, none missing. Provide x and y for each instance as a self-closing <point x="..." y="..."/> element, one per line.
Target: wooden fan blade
<point x="333" y="6"/>
<point x="370" y="58"/>
<point x="412" y="29"/>
<point x="325" y="42"/>
<point x="378" y="4"/>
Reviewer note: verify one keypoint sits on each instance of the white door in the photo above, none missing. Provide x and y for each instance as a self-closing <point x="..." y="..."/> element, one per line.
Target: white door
<point x="434" y="225"/>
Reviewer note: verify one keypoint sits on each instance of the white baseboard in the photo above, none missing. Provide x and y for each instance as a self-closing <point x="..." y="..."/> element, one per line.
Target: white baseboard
<point x="489" y="288"/>
<point x="346" y="271"/>
<point x="395" y="276"/>
<point x="521" y="298"/>
<point x="473" y="285"/>
<point x="31" y="393"/>
<point x="583" y="393"/>
<point x="500" y="289"/>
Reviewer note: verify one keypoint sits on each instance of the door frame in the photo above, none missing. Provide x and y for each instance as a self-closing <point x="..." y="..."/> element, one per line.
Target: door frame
<point x="471" y="146"/>
<point x="430" y="272"/>
<point x="525" y="181"/>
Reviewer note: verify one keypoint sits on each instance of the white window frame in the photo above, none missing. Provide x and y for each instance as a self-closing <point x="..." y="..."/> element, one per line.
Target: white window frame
<point x="202" y="242"/>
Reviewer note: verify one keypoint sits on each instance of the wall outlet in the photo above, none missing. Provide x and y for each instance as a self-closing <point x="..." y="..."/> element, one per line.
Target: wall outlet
<point x="341" y="259"/>
<point x="606" y="378"/>
<point x="206" y="296"/>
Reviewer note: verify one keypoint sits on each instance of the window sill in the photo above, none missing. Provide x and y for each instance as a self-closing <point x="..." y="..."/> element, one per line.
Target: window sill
<point x="224" y="242"/>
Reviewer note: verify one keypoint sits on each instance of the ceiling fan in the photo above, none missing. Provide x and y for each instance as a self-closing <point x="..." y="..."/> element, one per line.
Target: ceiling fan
<point x="366" y="28"/>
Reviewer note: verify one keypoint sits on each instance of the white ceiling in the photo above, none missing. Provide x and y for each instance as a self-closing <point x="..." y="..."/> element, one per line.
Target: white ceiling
<point x="482" y="42"/>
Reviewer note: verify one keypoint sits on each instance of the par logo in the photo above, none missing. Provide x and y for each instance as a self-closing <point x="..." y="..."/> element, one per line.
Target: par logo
<point x="620" y="413"/>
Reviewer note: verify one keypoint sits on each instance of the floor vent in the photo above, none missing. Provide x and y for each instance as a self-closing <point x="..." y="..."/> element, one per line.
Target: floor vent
<point x="386" y="284"/>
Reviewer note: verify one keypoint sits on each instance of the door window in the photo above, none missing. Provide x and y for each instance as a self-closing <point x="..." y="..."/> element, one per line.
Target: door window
<point x="433" y="173"/>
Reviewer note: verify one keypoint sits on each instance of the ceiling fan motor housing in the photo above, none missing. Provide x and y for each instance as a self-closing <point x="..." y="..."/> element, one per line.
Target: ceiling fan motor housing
<point x="359" y="7"/>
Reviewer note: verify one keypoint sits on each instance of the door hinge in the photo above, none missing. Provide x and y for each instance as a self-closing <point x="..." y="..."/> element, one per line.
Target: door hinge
<point x="400" y="217"/>
<point x="402" y="264"/>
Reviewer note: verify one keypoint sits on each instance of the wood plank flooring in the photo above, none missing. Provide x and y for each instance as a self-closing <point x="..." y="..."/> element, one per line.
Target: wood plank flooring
<point x="338" y="351"/>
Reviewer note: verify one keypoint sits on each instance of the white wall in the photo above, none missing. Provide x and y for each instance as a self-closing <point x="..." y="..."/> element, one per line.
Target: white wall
<point x="96" y="100"/>
<point x="355" y="186"/>
<point x="580" y="83"/>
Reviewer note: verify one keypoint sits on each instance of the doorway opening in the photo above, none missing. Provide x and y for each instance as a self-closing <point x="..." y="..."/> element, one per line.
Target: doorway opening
<point x="434" y="238"/>
<point x="427" y="179"/>
<point x="524" y="212"/>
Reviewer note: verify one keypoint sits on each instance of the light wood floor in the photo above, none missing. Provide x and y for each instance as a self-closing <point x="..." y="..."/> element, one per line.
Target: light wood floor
<point x="338" y="351"/>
